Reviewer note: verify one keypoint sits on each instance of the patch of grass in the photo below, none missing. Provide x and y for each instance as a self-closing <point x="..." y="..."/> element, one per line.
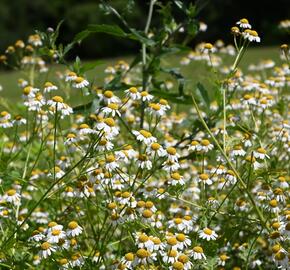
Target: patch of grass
<point x="196" y="71"/>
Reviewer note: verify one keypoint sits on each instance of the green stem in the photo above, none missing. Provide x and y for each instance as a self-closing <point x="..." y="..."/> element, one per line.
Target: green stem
<point x="241" y="181"/>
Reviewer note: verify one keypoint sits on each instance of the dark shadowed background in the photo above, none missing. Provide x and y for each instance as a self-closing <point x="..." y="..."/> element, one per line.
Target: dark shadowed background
<point x="19" y="18"/>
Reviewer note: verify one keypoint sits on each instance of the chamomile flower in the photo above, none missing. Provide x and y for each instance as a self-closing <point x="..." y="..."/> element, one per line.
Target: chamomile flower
<point x="145" y="96"/>
<point x="55" y="235"/>
<point x="70" y="76"/>
<point x="46" y="250"/>
<point x="57" y="105"/>
<point x="176" y="179"/>
<point x="205" y="179"/>
<point x="207" y="234"/>
<point x="133" y="93"/>
<point x="156" y="148"/>
<point x="109" y="97"/>
<point x="74" y="229"/>
<point x="80" y="82"/>
<point x="251" y="35"/>
<point x="205" y="146"/>
<point x="244" y="23"/>
<point x="144" y="136"/>
<point x="111" y="109"/>
<point x="197" y="253"/>
<point x="172" y="154"/>
<point x="260" y="153"/>
<point x="11" y="196"/>
<point x="48" y="87"/>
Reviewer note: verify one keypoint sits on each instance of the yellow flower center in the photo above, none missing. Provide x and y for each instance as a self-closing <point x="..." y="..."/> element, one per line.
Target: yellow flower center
<point x="155" y="146"/>
<point x="207" y="231"/>
<point x="142" y="253"/>
<point x="208" y="46"/>
<point x="55" y="232"/>
<point x="133" y="90"/>
<point x="143" y="238"/>
<point x="147" y="213"/>
<point x="79" y="79"/>
<point x="129" y="257"/>
<point x="73" y="225"/>
<point x="144" y="93"/>
<point x="57" y="99"/>
<point x="11" y="192"/>
<point x="204" y="176"/>
<point x="178" y="265"/>
<point x="110" y="122"/>
<point x="180" y="237"/>
<point x="244" y="20"/>
<point x="110" y="159"/>
<point x="198" y="249"/>
<point x="155" y="106"/>
<point x="48" y="84"/>
<point x="63" y="261"/>
<point x="45" y="246"/>
<point x="273" y="203"/>
<point x="175" y="176"/>
<point x="113" y="106"/>
<point x="172" y="241"/>
<point x="205" y="142"/>
<point x="145" y="133"/>
<point x="108" y="94"/>
<point x="149" y="204"/>
<point x="171" y="151"/>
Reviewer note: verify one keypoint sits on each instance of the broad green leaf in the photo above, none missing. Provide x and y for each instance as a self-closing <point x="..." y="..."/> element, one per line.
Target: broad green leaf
<point x="204" y="94"/>
<point x="81" y="36"/>
<point x="90" y="66"/>
<point x="108" y="29"/>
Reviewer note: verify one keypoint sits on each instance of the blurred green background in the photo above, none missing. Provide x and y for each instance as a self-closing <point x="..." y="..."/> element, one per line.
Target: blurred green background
<point x="19" y="18"/>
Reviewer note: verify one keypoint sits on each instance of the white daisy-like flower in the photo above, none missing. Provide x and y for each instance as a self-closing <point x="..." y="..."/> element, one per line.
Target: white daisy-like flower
<point x="36" y="236"/>
<point x="74" y="229"/>
<point x="205" y="179"/>
<point x="58" y="105"/>
<point x="197" y="253"/>
<point x="109" y="97"/>
<point x="260" y="153"/>
<point x="205" y="146"/>
<point x="80" y="82"/>
<point x="70" y="76"/>
<point x="19" y="120"/>
<point x="111" y="163"/>
<point x="144" y="136"/>
<point x="48" y="87"/>
<point x="170" y="256"/>
<point x="244" y="23"/>
<point x="55" y="235"/>
<point x="46" y="250"/>
<point x="143" y="162"/>
<point x="112" y="109"/>
<point x="172" y="154"/>
<point x="85" y="129"/>
<point x="133" y="93"/>
<point x="109" y="127"/>
<point x="176" y="179"/>
<point x="251" y="35"/>
<point x="238" y="151"/>
<point x="145" y="96"/>
<point x="35" y="40"/>
<point x="156" y="148"/>
<point x="11" y="196"/>
<point x="183" y="241"/>
<point x="207" y="234"/>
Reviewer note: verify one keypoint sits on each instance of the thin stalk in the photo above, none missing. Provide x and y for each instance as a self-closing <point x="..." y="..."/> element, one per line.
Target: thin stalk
<point x="241" y="181"/>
